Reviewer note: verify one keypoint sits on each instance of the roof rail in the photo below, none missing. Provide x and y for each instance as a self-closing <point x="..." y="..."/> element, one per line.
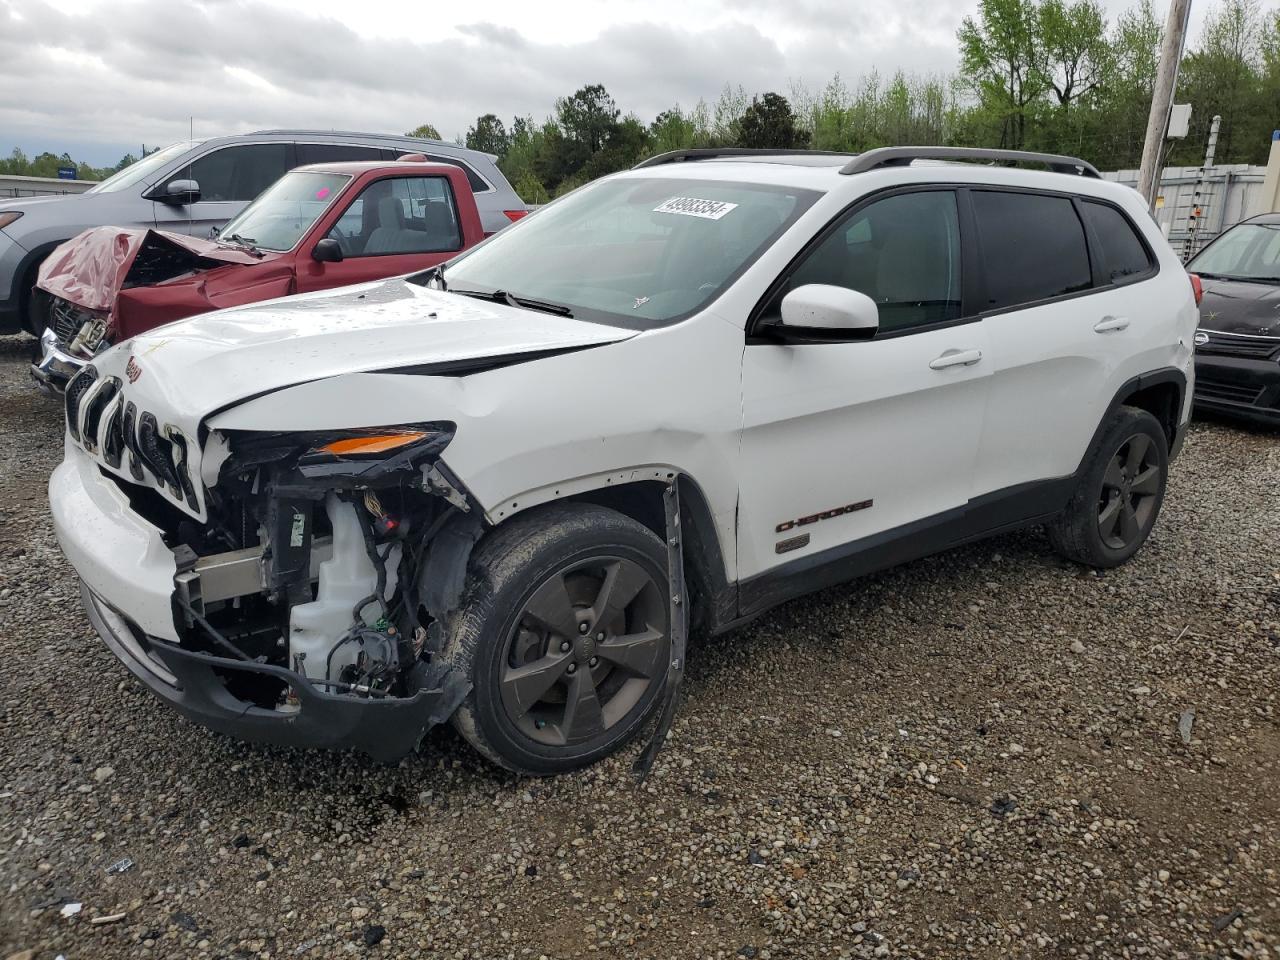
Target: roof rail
<point x="902" y="156"/>
<point x="715" y="153"/>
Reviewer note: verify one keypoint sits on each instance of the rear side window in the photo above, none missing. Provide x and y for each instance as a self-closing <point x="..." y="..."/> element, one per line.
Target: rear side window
<point x="1033" y="247"/>
<point x="335" y="153"/>
<point x="1122" y="252"/>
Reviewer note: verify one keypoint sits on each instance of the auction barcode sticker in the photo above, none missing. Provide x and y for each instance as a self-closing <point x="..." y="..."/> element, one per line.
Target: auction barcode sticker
<point x="693" y="207"/>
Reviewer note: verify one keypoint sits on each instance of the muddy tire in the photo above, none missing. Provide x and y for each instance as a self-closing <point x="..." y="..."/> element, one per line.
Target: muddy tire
<point x="1119" y="494"/>
<point x="564" y="631"/>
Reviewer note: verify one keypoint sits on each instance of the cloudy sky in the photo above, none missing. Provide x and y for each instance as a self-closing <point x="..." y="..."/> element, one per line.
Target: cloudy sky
<point x="99" y="78"/>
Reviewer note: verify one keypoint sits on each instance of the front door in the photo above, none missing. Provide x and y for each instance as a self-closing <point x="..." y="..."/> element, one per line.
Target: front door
<point x="229" y="178"/>
<point x="393" y="226"/>
<point x="874" y="439"/>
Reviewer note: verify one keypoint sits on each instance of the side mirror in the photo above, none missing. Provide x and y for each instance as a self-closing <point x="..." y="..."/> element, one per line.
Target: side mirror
<point x="327" y="251"/>
<point x="821" y="313"/>
<point x="178" y="193"/>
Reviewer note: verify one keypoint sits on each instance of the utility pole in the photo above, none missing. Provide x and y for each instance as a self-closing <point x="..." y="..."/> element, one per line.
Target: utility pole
<point x="1175" y="37"/>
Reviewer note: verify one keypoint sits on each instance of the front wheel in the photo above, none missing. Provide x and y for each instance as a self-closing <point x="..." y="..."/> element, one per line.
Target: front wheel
<point x="1119" y="493"/>
<point x="564" y="632"/>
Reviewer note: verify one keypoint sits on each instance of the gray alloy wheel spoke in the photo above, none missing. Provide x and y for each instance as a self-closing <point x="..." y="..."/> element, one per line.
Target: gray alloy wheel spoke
<point x="524" y="686"/>
<point x="1129" y="525"/>
<point x="623" y="581"/>
<point x="552" y="609"/>
<point x="1112" y="479"/>
<point x="1147" y="482"/>
<point x="1139" y="444"/>
<point x="1110" y="517"/>
<point x="583" y="717"/>
<point x="634" y="652"/>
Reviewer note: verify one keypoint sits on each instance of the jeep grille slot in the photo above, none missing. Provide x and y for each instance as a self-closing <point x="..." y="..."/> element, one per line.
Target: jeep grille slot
<point x="76" y="390"/>
<point x="99" y="400"/>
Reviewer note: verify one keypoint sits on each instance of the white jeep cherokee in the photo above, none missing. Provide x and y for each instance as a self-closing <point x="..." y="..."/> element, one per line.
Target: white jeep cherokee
<point x="499" y="492"/>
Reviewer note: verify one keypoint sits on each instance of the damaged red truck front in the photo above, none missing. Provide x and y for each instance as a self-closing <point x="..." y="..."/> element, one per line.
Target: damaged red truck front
<point x="318" y="227"/>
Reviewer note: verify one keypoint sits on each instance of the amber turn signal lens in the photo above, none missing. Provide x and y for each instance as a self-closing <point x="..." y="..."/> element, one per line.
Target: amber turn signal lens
<point x="380" y="443"/>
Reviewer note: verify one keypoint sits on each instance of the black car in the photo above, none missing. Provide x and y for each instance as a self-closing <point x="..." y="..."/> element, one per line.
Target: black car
<point x="1238" y="343"/>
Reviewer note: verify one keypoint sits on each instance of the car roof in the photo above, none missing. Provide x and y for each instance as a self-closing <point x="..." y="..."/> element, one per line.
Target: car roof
<point x="355" y="168"/>
<point x="1269" y="219"/>
<point x="824" y="172"/>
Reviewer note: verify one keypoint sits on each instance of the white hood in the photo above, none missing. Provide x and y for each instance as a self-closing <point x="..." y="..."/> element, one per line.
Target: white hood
<point x="208" y="362"/>
<point x="182" y="373"/>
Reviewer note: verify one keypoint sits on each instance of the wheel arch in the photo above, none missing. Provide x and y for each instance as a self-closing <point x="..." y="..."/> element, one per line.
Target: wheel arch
<point x="1161" y="393"/>
<point x="27" y="268"/>
<point x="638" y="494"/>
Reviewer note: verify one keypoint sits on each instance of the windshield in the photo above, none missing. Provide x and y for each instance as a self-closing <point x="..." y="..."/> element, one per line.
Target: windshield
<point x="639" y="253"/>
<point x="278" y="219"/>
<point x="142" y="169"/>
<point x="1250" y="251"/>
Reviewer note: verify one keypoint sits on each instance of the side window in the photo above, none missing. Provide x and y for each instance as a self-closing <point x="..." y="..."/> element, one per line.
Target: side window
<point x="237" y="173"/>
<point x="903" y="252"/>
<point x="1033" y="247"/>
<point x="400" y="215"/>
<point x="1123" y="252"/>
<point x="477" y="182"/>
<point x="334" y="153"/>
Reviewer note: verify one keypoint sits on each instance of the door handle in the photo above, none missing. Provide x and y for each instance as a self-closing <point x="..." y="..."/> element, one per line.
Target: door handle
<point x="956" y="358"/>
<point x="1110" y="324"/>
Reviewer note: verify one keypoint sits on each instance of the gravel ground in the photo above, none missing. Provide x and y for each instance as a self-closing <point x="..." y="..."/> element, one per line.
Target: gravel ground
<point x="974" y="755"/>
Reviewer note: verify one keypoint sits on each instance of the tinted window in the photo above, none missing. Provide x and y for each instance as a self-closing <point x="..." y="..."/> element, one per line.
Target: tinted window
<point x="400" y="215"/>
<point x="1122" y="252"/>
<point x="903" y="252"/>
<point x="237" y="173"/>
<point x="1033" y="247"/>
<point x="334" y="153"/>
<point x="473" y="178"/>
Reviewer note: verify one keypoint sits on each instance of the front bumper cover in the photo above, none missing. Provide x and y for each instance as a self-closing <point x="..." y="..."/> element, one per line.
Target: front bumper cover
<point x="385" y="729"/>
<point x="1241" y="387"/>
<point x="55" y="368"/>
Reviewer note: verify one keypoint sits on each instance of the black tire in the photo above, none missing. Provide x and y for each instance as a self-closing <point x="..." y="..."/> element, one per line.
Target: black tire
<point x="34" y="307"/>
<point x="1110" y="515"/>
<point x="496" y="639"/>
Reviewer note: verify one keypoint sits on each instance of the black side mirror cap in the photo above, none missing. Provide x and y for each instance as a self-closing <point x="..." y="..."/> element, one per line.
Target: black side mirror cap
<point x="177" y="193"/>
<point x="327" y="251"/>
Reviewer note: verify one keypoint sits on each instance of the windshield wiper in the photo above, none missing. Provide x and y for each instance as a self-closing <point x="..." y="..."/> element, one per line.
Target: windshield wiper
<point x="511" y="300"/>
<point x="1232" y="277"/>
<point x="247" y="243"/>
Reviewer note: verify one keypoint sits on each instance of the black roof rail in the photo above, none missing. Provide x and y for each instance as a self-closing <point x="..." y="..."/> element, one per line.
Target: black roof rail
<point x="902" y="156"/>
<point x="715" y="153"/>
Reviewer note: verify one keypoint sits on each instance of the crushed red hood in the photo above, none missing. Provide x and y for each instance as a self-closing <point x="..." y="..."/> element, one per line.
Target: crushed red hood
<point x="92" y="268"/>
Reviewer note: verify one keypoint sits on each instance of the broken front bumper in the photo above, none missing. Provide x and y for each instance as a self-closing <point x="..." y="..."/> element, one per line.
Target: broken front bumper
<point x="192" y="683"/>
<point x="55" y="368"/>
<point x="128" y="581"/>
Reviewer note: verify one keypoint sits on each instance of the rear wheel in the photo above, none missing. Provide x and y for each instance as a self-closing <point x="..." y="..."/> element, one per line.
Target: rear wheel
<point x="1119" y="494"/>
<point x="564" y="632"/>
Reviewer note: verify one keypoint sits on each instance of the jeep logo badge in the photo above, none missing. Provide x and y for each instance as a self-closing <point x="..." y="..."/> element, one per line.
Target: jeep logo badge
<point x="132" y="370"/>
<point x="1201" y="338"/>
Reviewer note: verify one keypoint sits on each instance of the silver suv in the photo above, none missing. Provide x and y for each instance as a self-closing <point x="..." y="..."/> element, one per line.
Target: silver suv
<point x="196" y="185"/>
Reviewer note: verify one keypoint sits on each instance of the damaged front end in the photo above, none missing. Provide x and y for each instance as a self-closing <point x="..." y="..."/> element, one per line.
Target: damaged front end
<point x="310" y="606"/>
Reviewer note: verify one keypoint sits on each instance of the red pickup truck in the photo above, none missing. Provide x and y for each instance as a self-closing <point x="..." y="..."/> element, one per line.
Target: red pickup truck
<point x="319" y="226"/>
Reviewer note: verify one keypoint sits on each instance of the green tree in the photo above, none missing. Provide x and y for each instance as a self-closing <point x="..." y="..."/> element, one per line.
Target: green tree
<point x="1078" y="54"/>
<point x="769" y="122"/>
<point x="588" y="117"/>
<point x="488" y="135"/>
<point x="1002" y="57"/>
<point x="424" y="131"/>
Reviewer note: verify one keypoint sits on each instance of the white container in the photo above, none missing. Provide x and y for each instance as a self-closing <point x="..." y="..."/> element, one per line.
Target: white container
<point x="346" y="578"/>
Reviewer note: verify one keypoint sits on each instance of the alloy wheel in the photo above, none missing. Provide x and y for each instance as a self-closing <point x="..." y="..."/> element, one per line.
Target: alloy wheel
<point x="588" y="644"/>
<point x="1130" y="492"/>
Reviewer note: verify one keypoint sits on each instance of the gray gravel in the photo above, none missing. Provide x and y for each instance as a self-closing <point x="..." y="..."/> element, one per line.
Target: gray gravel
<point x="980" y="754"/>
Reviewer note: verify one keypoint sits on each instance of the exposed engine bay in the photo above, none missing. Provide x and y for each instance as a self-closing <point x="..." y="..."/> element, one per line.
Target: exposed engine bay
<point x="336" y="557"/>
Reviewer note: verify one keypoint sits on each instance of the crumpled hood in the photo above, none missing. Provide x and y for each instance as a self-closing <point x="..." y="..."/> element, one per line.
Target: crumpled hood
<point x="93" y="267"/>
<point x="1244" y="308"/>
<point x="207" y="363"/>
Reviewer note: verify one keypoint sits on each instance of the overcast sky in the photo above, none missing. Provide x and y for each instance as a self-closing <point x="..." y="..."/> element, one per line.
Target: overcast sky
<point x="100" y="78"/>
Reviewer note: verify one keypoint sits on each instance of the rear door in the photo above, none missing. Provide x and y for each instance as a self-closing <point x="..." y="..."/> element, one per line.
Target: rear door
<point x="391" y="226"/>
<point x="850" y="442"/>
<point x="229" y="177"/>
<point x="1061" y="319"/>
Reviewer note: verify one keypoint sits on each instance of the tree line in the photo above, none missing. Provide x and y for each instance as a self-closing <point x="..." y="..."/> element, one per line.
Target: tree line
<point x="1051" y="75"/>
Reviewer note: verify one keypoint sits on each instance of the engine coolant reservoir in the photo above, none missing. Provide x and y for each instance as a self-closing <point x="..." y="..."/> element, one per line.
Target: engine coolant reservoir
<point x="346" y="578"/>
